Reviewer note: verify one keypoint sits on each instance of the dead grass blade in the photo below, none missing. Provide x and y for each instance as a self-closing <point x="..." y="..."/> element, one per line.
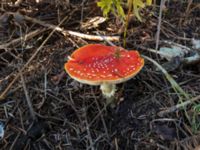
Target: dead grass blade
<point x="174" y="84"/>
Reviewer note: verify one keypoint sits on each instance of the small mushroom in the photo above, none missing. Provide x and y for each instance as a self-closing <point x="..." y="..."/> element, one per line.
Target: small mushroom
<point x="97" y="64"/>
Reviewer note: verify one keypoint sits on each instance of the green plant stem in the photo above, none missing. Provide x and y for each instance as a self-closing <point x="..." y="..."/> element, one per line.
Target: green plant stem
<point x="126" y="23"/>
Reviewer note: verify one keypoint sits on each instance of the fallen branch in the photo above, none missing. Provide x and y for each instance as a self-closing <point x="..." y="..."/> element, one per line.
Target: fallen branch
<point x="67" y="32"/>
<point x="178" y="106"/>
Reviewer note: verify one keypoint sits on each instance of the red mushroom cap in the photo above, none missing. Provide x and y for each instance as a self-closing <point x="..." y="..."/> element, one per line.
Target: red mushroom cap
<point x="95" y="64"/>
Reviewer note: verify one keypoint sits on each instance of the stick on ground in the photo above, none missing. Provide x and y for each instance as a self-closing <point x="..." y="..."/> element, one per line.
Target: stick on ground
<point x="3" y="94"/>
<point x="68" y="32"/>
<point x="178" y="106"/>
<point x="27" y="98"/>
<point x="26" y="38"/>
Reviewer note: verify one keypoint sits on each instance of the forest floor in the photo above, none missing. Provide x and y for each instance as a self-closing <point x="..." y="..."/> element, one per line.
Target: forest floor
<point x="41" y="107"/>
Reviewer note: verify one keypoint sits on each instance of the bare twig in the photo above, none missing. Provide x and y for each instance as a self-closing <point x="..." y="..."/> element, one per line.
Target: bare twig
<point x="105" y="39"/>
<point x="187" y="12"/>
<point x="92" y="37"/>
<point x="162" y="147"/>
<point x="178" y="106"/>
<point x="82" y="7"/>
<point x="3" y="94"/>
<point x="17" y="40"/>
<point x="27" y="97"/>
<point x="95" y="141"/>
<point x="88" y="129"/>
<point x="68" y="32"/>
<point x="155" y="51"/>
<point x="100" y="113"/>
<point x="159" y="24"/>
<point x="14" y="142"/>
<point x="45" y="84"/>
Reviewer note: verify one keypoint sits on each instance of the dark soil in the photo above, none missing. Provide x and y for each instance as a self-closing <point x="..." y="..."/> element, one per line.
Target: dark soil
<point x="73" y="116"/>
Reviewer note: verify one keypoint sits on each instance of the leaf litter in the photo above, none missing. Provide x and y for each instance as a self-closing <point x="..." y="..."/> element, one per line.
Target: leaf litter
<point x="67" y="116"/>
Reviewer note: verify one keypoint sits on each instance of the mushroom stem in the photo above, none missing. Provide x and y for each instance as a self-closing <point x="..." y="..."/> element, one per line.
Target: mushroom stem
<point x="108" y="90"/>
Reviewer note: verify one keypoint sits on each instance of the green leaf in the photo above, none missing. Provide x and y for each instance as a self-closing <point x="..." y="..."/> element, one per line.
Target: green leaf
<point x="115" y="7"/>
<point x="197" y="108"/>
<point x="136" y="9"/>
<point x="106" y="6"/>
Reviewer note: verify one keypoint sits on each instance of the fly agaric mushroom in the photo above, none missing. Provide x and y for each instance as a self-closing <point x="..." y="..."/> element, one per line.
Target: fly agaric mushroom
<point x="97" y="64"/>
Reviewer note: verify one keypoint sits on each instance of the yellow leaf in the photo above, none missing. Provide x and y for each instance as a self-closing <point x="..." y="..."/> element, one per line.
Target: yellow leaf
<point x="148" y="2"/>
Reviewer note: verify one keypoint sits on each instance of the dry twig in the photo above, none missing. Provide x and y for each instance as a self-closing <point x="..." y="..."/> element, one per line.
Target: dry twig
<point x="88" y="129"/>
<point x="159" y="24"/>
<point x="3" y="94"/>
<point x="68" y="32"/>
<point x="178" y="106"/>
<point x="27" y="97"/>
<point x="26" y="38"/>
<point x="100" y="113"/>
